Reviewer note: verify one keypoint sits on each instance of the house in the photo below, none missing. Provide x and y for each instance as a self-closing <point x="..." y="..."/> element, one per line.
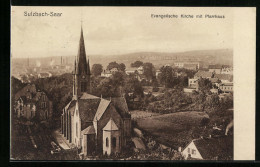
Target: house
<point x="157" y="73"/>
<point x="215" y="148"/>
<point x="226" y="69"/>
<point x="109" y="73"/>
<point x="129" y="71"/>
<point x="215" y="81"/>
<point x="140" y="70"/>
<point x="226" y="87"/>
<point x="106" y="73"/>
<point x="215" y="68"/>
<point x="193" y="83"/>
<point x="187" y="65"/>
<point x="44" y="75"/>
<point x="30" y="103"/>
<point x="95" y="125"/>
<point x="190" y="66"/>
<point x="203" y="74"/>
<point x="224" y="78"/>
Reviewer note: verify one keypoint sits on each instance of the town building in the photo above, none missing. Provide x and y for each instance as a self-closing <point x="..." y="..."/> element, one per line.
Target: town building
<point x="226" y="69"/>
<point x="94" y="125"/>
<point x="129" y="71"/>
<point x="44" y="75"/>
<point x="140" y="70"/>
<point x="226" y="87"/>
<point x="203" y="74"/>
<point x="215" y="69"/>
<point x="221" y="69"/>
<point x="30" y="104"/>
<point x="187" y="65"/>
<point x="109" y="73"/>
<point x="224" y="78"/>
<point x="193" y="83"/>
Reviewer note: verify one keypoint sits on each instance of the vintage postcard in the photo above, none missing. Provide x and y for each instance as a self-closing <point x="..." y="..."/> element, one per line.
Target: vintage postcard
<point x="132" y="83"/>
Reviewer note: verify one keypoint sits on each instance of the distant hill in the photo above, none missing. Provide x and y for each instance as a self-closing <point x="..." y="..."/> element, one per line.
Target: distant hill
<point x="206" y="57"/>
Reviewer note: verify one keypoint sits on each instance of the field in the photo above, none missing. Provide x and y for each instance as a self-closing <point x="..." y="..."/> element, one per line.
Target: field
<point x="138" y="114"/>
<point x="173" y="129"/>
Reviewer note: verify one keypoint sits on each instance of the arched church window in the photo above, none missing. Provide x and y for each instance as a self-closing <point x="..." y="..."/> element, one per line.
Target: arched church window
<point x="107" y="144"/>
<point x="114" y="142"/>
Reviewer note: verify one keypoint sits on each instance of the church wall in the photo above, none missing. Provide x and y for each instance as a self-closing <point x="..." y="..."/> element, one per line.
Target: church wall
<point x="109" y="113"/>
<point x="76" y="126"/>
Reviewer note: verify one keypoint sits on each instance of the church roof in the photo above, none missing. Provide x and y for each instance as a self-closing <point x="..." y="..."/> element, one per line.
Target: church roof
<point x="121" y="106"/>
<point x="101" y="109"/>
<point x="120" y="103"/>
<point x="89" y="130"/>
<point x="87" y="110"/>
<point x="88" y="96"/>
<point x="110" y="125"/>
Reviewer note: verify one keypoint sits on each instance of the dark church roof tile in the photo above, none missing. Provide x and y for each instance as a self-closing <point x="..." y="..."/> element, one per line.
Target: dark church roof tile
<point x="88" y="130"/>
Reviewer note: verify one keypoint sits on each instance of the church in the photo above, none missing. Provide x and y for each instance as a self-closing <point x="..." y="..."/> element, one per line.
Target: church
<point x="95" y="125"/>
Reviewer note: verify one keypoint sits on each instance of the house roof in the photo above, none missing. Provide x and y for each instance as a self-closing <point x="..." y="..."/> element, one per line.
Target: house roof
<point x="224" y="77"/>
<point x="213" y="80"/>
<point x="28" y="88"/>
<point x="110" y="126"/>
<point x="190" y="65"/>
<point x="221" y="147"/>
<point x="101" y="108"/>
<point x="226" y="66"/>
<point x="215" y="67"/>
<point x="89" y="130"/>
<point x="203" y="74"/>
<point x="227" y="84"/>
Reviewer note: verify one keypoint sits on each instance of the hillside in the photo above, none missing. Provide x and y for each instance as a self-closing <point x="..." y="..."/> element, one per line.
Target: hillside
<point x="206" y="57"/>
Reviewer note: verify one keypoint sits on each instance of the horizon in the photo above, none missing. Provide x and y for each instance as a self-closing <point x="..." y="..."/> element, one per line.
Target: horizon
<point x="116" y="31"/>
<point x="230" y="49"/>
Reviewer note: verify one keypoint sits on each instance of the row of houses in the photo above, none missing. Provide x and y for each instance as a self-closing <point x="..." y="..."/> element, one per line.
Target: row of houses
<point x="221" y="69"/>
<point x="223" y="82"/>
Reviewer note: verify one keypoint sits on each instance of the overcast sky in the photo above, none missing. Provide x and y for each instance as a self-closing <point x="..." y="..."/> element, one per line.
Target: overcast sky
<point x="117" y="30"/>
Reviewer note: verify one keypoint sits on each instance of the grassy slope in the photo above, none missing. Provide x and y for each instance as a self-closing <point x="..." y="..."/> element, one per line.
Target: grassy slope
<point x="172" y="129"/>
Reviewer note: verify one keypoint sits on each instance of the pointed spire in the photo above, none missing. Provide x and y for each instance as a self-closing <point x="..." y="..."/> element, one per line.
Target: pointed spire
<point x="81" y="58"/>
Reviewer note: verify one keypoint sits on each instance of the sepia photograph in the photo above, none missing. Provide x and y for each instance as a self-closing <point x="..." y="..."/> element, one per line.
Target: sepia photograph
<point x="122" y="83"/>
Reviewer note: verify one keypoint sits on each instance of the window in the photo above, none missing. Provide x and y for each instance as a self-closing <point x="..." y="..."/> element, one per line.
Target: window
<point x="107" y="144"/>
<point x="114" y="142"/>
<point x="193" y="151"/>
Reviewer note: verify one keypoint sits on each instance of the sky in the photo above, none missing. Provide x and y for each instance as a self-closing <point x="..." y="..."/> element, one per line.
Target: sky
<point x="117" y="30"/>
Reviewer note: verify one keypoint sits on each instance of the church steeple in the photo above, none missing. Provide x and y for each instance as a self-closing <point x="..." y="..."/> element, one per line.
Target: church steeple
<point x="81" y="80"/>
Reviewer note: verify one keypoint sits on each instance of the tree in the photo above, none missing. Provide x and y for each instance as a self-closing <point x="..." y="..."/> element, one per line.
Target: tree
<point x="97" y="69"/>
<point x="112" y="65"/>
<point x="204" y="84"/>
<point x="132" y="85"/>
<point x="149" y="71"/>
<point x="166" y="76"/>
<point x="121" y="67"/>
<point x="137" y="64"/>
